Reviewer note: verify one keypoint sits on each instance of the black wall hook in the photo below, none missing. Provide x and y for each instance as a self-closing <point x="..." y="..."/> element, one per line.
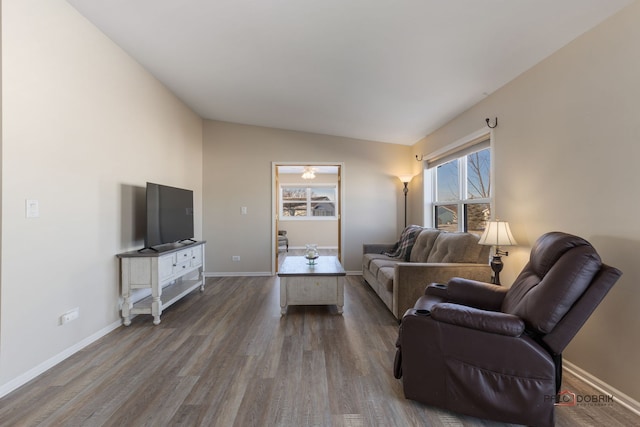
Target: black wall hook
<point x="495" y="125"/>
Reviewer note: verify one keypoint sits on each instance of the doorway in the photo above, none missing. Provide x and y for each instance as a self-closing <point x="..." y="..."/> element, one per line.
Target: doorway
<point x="307" y="203"/>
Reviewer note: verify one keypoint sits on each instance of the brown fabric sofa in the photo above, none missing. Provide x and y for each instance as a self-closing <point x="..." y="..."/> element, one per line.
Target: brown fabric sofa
<point x="494" y="352"/>
<point x="436" y="256"/>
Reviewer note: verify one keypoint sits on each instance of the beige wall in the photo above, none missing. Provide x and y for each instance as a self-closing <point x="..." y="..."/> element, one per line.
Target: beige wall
<point x="566" y="158"/>
<point x="84" y="128"/>
<point x="237" y="172"/>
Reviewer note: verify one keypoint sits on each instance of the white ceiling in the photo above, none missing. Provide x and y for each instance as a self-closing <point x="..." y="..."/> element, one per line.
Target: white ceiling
<point x="383" y="70"/>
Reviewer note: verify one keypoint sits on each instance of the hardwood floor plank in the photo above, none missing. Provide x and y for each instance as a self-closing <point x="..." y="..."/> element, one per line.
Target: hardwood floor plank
<point x="314" y="396"/>
<point x="185" y="416"/>
<point x="110" y="395"/>
<point x="225" y="357"/>
<point x="248" y="412"/>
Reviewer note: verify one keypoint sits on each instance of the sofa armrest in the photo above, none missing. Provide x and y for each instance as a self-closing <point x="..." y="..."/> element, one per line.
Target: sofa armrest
<point x="377" y="248"/>
<point x="482" y="320"/>
<point x="411" y="279"/>
<point x="485" y="296"/>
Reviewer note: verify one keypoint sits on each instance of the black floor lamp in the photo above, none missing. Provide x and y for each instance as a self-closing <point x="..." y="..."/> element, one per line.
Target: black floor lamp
<point x="405" y="179"/>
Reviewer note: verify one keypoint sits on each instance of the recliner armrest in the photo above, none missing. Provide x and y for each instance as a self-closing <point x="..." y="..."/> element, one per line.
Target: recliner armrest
<point x="482" y="320"/>
<point x="481" y="295"/>
<point x="437" y="289"/>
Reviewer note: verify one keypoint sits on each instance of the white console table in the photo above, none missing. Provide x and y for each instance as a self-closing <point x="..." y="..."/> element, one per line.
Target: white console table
<point x="170" y="273"/>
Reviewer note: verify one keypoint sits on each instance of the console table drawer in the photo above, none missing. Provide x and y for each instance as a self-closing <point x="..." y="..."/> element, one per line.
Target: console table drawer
<point x="183" y="255"/>
<point x="196" y="258"/>
<point x="180" y="267"/>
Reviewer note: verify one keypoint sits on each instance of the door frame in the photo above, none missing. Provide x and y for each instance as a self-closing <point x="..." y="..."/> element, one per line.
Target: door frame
<point x="275" y="194"/>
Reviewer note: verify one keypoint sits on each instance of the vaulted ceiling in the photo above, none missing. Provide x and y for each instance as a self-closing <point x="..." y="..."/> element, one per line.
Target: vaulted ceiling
<point x="382" y="70"/>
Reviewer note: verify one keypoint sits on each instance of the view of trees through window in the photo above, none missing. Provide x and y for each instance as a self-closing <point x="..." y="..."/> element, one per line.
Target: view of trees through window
<point x="463" y="191"/>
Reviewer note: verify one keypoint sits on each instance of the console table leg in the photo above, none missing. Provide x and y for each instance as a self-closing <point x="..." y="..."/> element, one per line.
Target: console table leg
<point x="340" y="286"/>
<point x="283" y="295"/>
<point x="126" y="310"/>
<point x="156" y="310"/>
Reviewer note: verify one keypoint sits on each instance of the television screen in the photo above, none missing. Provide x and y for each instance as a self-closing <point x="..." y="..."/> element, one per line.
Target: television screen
<point x="169" y="215"/>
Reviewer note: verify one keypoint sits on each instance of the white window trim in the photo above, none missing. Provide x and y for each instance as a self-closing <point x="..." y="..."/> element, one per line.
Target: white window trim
<point x="429" y="180"/>
<point x="459" y="145"/>
<point x="308" y="218"/>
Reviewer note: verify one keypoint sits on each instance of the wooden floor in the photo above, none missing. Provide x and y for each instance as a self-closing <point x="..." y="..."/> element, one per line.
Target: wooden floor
<point x="226" y="357"/>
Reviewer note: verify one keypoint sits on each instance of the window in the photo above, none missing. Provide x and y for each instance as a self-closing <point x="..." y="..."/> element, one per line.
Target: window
<point x="308" y="201"/>
<point x="461" y="199"/>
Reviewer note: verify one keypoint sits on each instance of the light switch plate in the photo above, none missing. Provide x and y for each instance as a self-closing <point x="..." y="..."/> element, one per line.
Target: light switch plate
<point x="32" y="208"/>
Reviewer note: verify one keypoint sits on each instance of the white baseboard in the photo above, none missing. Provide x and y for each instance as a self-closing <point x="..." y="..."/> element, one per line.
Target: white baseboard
<point x="598" y="384"/>
<point x="50" y="363"/>
<point x="332" y="248"/>
<point x="237" y="274"/>
<point x="261" y="274"/>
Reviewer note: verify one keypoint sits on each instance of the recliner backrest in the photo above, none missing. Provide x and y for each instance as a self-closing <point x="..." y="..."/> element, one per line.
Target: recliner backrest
<point x="568" y="327"/>
<point x="561" y="267"/>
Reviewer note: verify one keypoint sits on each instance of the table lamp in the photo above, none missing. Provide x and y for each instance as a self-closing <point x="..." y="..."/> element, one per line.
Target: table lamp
<point x="497" y="233"/>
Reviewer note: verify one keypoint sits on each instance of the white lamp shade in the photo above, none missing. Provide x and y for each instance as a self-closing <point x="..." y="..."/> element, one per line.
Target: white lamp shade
<point x="497" y="233"/>
<point x="405" y="178"/>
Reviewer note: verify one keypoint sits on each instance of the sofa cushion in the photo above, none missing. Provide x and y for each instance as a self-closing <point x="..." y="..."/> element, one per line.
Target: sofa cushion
<point x="377" y="264"/>
<point x="457" y="247"/>
<point x="367" y="258"/>
<point x="423" y="245"/>
<point x="385" y="277"/>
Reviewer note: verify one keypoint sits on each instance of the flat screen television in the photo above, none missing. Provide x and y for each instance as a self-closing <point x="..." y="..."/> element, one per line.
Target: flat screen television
<point x="169" y="215"/>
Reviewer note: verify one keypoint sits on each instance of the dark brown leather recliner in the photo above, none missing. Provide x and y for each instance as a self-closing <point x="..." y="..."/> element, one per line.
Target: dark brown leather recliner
<point x="494" y="352"/>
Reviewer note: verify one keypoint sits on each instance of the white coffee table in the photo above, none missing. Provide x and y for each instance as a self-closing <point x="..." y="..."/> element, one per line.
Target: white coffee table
<point x="304" y="284"/>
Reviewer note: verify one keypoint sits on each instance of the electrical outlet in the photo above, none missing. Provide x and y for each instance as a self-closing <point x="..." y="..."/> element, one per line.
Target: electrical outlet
<point x="235" y="258"/>
<point x="70" y="315"/>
